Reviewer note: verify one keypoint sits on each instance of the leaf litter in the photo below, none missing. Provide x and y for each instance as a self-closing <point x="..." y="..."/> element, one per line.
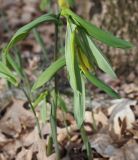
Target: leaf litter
<point x="115" y="135"/>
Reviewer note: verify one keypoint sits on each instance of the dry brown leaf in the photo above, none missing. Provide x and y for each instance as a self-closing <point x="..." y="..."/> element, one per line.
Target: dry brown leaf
<point x="98" y="116"/>
<point x="34" y="143"/>
<point x="3" y="140"/>
<point x="128" y="152"/>
<point x="63" y="134"/>
<point x="122" y="116"/>
<point x="130" y="88"/>
<point x="16" y="119"/>
<point x="25" y="154"/>
<point x="134" y="130"/>
<point x="103" y="145"/>
<point x="28" y="138"/>
<point x="52" y="157"/>
<point x="11" y="148"/>
<point x="3" y="157"/>
<point x="62" y="116"/>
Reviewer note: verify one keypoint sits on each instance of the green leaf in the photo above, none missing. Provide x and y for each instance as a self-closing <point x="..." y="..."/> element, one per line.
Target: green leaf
<point x="41" y="101"/>
<point x="14" y="65"/>
<point x="43" y="4"/>
<point x="7" y="74"/>
<point x="86" y="142"/>
<point x="49" y="73"/>
<point x="100" y="59"/>
<point x="71" y="58"/>
<point x="41" y="97"/>
<point x="23" y="32"/>
<point x="79" y="104"/>
<point x="43" y="111"/>
<point x="85" y="49"/>
<point x="75" y="78"/>
<point x="95" y="32"/>
<point x="100" y="84"/>
<point x="61" y="103"/>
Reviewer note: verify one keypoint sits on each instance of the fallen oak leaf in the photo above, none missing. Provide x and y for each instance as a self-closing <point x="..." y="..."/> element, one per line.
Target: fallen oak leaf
<point x="122" y="117"/>
<point x="103" y="144"/>
<point x="128" y="152"/>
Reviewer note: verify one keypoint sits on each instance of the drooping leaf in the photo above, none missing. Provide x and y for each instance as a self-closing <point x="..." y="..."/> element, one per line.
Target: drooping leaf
<point x="49" y="73"/>
<point x="23" y="32"/>
<point x="75" y="78"/>
<point x="14" y="65"/>
<point x="95" y="32"/>
<point x="7" y="74"/>
<point x="85" y="51"/>
<point x="71" y="58"/>
<point x="100" y="84"/>
<point x="97" y="82"/>
<point x="100" y="59"/>
<point x="79" y="104"/>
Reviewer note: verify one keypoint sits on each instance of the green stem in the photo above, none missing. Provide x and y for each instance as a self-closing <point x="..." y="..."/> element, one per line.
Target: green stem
<point x="54" y="106"/>
<point x="33" y="110"/>
<point x="66" y="126"/>
<point x="55" y="58"/>
<point x="49" y="146"/>
<point x="86" y="142"/>
<point x="94" y="122"/>
<point x="54" y="129"/>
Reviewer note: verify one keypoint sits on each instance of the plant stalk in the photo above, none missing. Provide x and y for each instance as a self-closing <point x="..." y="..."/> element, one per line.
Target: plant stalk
<point x="33" y="110"/>
<point x="86" y="142"/>
<point x="54" y="106"/>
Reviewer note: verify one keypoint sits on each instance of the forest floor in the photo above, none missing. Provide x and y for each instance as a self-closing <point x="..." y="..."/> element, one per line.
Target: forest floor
<point x="111" y="125"/>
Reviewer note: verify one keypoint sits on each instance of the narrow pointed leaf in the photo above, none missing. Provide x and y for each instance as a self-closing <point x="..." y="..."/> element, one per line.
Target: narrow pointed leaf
<point x="14" y="65"/>
<point x="75" y="79"/>
<point x="43" y="111"/>
<point x="49" y="73"/>
<point x="40" y="98"/>
<point x="97" y="33"/>
<point x="101" y="60"/>
<point x="7" y="74"/>
<point x="61" y="103"/>
<point x="71" y="58"/>
<point x="95" y="56"/>
<point x="100" y="84"/>
<point x="23" y="32"/>
<point x="79" y="104"/>
<point x="85" y="49"/>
